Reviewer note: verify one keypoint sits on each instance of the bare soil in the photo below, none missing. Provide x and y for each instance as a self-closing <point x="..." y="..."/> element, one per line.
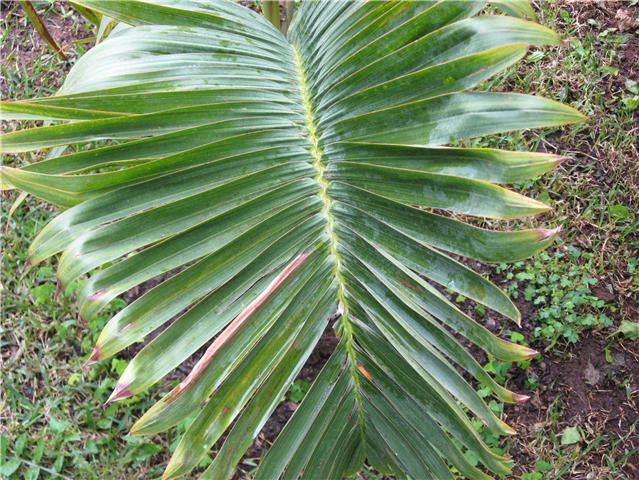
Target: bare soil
<point x="23" y="45"/>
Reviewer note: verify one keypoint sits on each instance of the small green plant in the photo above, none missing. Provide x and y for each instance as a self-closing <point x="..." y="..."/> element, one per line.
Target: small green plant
<point x="630" y="100"/>
<point x="298" y="390"/>
<point x="560" y="284"/>
<point x="541" y="470"/>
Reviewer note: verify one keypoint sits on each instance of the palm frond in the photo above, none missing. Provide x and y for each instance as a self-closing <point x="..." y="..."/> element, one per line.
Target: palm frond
<point x="282" y="180"/>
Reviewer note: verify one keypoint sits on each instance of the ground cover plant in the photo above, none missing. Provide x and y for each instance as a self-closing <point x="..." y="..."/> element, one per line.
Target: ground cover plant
<point x="25" y="446"/>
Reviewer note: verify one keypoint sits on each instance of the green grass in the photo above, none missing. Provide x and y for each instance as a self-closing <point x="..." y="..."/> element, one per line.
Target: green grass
<point x="53" y="420"/>
<point x="53" y="410"/>
<point x="26" y="73"/>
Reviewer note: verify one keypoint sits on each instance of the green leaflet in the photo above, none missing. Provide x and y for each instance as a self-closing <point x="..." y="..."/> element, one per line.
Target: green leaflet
<point x="222" y="274"/>
<point x="452" y="117"/>
<point x="135" y="126"/>
<point x="496" y="166"/>
<point x="268" y="183"/>
<point x="180" y="250"/>
<point x="430" y="263"/>
<point x="146" y="195"/>
<point x="458" y="74"/>
<point x="215" y="15"/>
<point x="116" y="239"/>
<point x="297" y="441"/>
<point x="412" y="297"/>
<point x="114" y="102"/>
<point x="516" y="8"/>
<point x="41" y="28"/>
<point x="437" y="45"/>
<point x="417" y="345"/>
<point x="439" y="406"/>
<point x="34" y="111"/>
<point x="384" y="41"/>
<point x="449" y="234"/>
<point x="409" y="408"/>
<point x="189" y="146"/>
<point x="455" y="194"/>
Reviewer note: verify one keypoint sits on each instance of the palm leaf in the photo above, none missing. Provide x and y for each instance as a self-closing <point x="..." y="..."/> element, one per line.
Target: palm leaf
<point x="516" y="8"/>
<point x="281" y="180"/>
<point x="89" y="14"/>
<point x="42" y="29"/>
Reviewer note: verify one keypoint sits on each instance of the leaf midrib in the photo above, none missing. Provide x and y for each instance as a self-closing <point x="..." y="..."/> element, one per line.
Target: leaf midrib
<point x="327" y="205"/>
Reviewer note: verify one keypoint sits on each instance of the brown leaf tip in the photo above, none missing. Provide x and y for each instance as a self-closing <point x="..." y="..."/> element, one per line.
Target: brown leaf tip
<point x="545" y="233"/>
<point x="95" y="356"/>
<point x="364" y="372"/>
<point x="519" y="398"/>
<point x="530" y="353"/>
<point x="518" y="318"/>
<point x="119" y="392"/>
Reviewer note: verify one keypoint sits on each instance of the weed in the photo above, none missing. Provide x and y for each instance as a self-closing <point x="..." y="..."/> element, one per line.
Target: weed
<point x="298" y="390"/>
<point x="560" y="284"/>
